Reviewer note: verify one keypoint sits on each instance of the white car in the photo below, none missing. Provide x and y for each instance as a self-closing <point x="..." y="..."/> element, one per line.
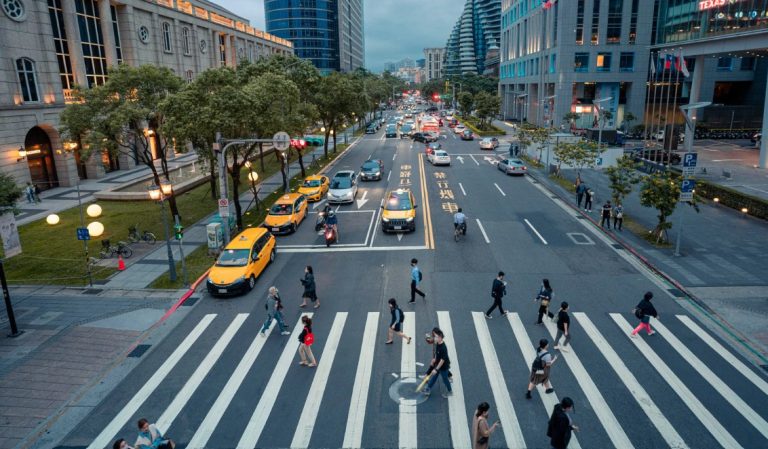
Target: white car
<point x="489" y="143"/>
<point x="459" y="129"/>
<point x="343" y="188"/>
<point x="439" y="157"/>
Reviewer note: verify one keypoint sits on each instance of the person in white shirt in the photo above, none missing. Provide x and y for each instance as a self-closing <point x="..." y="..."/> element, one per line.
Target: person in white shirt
<point x="459" y="219"/>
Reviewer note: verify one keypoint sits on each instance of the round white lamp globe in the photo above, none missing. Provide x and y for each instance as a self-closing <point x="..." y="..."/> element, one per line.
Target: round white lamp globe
<point x="95" y="229"/>
<point x="52" y="219"/>
<point x="93" y="211"/>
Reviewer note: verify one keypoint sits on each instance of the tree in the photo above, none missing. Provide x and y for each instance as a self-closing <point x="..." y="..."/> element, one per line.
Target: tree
<point x="571" y="118"/>
<point x="335" y="99"/>
<point x="539" y="136"/>
<point x="487" y="107"/>
<point x="622" y="177"/>
<point x="10" y="192"/>
<point x="578" y="155"/>
<point x="466" y="103"/>
<point x="628" y="118"/>
<point x="661" y="192"/>
<point x="124" y="116"/>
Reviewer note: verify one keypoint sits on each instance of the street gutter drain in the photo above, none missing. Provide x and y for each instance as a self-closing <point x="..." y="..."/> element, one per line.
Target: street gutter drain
<point x="676" y="293"/>
<point x="579" y="217"/>
<point x="92" y="291"/>
<point x="617" y="246"/>
<point x="765" y="367"/>
<point x="190" y="301"/>
<point x="139" y="351"/>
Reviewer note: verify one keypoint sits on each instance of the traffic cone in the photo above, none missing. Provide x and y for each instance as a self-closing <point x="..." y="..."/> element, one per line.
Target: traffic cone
<point x="120" y="263"/>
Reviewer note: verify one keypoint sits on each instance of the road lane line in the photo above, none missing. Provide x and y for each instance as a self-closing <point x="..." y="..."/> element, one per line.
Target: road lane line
<point x="368" y="233"/>
<point x="353" y="435"/>
<point x="388" y="175"/>
<point x="537" y="232"/>
<point x="407" y="438"/>
<point x="499" y="189"/>
<point x="394" y="156"/>
<point x="428" y="235"/>
<point x="513" y="435"/>
<point x="216" y="412"/>
<point x="689" y="399"/>
<point x="456" y="411"/>
<point x="529" y="353"/>
<point x="315" y="395"/>
<point x="258" y="420"/>
<point x="600" y="407"/>
<point x="202" y="370"/>
<point x="475" y="160"/>
<point x="317" y="204"/>
<point x="462" y="189"/>
<point x="721" y="387"/>
<point x="482" y="229"/>
<point x="740" y="366"/>
<point x="376" y="224"/>
<point x="104" y="438"/>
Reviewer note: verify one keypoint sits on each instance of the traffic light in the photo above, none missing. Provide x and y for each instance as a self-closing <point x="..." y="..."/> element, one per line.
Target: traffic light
<point x="178" y="231"/>
<point x="436" y="96"/>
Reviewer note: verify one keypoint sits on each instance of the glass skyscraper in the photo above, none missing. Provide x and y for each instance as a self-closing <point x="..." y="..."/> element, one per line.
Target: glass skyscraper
<point x="477" y="29"/>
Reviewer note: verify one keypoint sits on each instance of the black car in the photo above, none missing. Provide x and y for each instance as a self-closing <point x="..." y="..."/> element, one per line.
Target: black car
<point x="423" y="137"/>
<point x="371" y="129"/>
<point x="371" y="170"/>
<point x="659" y="156"/>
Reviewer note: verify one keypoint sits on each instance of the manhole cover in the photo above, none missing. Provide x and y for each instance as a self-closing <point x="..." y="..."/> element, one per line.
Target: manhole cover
<point x="403" y="391"/>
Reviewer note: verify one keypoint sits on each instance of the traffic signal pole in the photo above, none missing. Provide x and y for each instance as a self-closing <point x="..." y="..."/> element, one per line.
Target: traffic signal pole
<point x="179" y="231"/>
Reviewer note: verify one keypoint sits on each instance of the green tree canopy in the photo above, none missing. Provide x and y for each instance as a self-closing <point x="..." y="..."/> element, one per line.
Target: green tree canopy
<point x="487" y="107"/>
<point x="466" y="103"/>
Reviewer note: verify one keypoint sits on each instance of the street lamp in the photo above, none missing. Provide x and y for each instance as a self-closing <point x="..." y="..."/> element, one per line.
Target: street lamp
<point x="159" y="194"/>
<point x="600" y="120"/>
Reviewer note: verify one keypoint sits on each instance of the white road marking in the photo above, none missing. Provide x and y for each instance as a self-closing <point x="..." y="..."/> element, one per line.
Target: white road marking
<point x="355" y="248"/>
<point x="337" y="208"/>
<point x="215" y="413"/>
<point x="370" y="225"/>
<point x="721" y="387"/>
<point x="724" y="160"/>
<point x="688" y="398"/>
<point x="513" y="434"/>
<point x="361" y="202"/>
<point x="482" y="229"/>
<point x="462" y="189"/>
<point x="537" y="232"/>
<point x="104" y="438"/>
<point x="388" y="175"/>
<point x="311" y="408"/>
<point x="740" y="366"/>
<point x="456" y="411"/>
<point x="317" y="204"/>
<point x="399" y="236"/>
<point x="376" y="222"/>
<point x="461" y="159"/>
<point x="258" y="420"/>
<point x="407" y="437"/>
<point x="475" y="160"/>
<point x="499" y="189"/>
<point x="612" y="427"/>
<point x="529" y="353"/>
<point x="665" y="428"/>
<point x="202" y="370"/>
<point x="582" y="239"/>
<point x="394" y="156"/>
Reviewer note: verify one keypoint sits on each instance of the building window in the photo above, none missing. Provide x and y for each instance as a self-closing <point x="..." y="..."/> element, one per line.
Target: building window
<point x="748" y="63"/>
<point x="93" y="46"/>
<point x="552" y="63"/>
<point x="222" y="50"/>
<point x="603" y="62"/>
<point x="14" y="9"/>
<point x="25" y="69"/>
<point x="167" y="37"/>
<point x="203" y="46"/>
<point x="595" y="39"/>
<point x="627" y="62"/>
<point x="61" y="44"/>
<point x="189" y="75"/>
<point x="143" y="33"/>
<point x="633" y="22"/>
<point x="580" y="23"/>
<point x="615" y="9"/>
<point x="724" y="64"/>
<point x="185" y="40"/>
<point x="581" y="62"/>
<point x="116" y="32"/>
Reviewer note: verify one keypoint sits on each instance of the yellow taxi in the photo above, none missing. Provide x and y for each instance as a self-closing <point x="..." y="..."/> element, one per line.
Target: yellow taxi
<point x="241" y="262"/>
<point x="314" y="187"/>
<point x="285" y="215"/>
<point x="399" y="211"/>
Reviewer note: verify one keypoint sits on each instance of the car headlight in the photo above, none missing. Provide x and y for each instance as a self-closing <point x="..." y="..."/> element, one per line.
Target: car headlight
<point x="241" y="279"/>
<point x="385" y="219"/>
<point x="409" y="219"/>
<point x="378" y="173"/>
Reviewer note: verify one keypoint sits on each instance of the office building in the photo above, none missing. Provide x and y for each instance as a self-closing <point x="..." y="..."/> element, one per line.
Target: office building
<point x="433" y="62"/>
<point x="327" y="32"/>
<point x="47" y="48"/>
<point x="476" y="30"/>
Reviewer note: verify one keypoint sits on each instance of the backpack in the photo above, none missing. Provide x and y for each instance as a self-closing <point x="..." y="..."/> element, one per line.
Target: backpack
<point x="421" y="276"/>
<point x="639" y="313"/>
<point x="538" y="364"/>
<point x="309" y="338"/>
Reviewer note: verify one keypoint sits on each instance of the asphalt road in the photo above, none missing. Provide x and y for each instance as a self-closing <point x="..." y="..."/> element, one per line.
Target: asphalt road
<point x="213" y="382"/>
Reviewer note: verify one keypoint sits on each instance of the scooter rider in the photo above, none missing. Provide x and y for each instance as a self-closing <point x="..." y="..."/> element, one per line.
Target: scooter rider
<point x="332" y="221"/>
<point x="459" y="219"/>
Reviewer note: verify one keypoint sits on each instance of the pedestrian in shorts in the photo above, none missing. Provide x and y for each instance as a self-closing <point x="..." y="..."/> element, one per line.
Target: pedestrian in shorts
<point x="540" y="373"/>
<point x="544" y="297"/>
<point x="563" y="327"/>
<point x="396" y="325"/>
<point x="498" y="290"/>
<point x="310" y="292"/>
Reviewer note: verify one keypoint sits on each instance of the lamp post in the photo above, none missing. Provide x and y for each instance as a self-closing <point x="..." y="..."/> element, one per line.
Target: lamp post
<point x="159" y="194"/>
<point x="600" y="120"/>
<point x="253" y="177"/>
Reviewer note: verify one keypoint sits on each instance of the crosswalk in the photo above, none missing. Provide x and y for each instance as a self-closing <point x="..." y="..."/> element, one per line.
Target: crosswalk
<point x="225" y="385"/>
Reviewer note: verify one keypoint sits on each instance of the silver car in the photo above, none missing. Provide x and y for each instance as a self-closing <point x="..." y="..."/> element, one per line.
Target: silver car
<point x="512" y="166"/>
<point x="343" y="188"/>
<point x="489" y="143"/>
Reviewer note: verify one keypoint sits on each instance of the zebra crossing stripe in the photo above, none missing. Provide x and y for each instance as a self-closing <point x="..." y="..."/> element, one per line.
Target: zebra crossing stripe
<point x="665" y="428"/>
<point x="697" y="408"/>
<point x="315" y="396"/>
<point x="353" y="435"/>
<point x="740" y="366"/>
<point x="513" y="434"/>
<point x="529" y="353"/>
<point x="104" y="438"/>
<point x="205" y="431"/>
<point x="456" y="411"/>
<point x="194" y="381"/>
<point x="408" y="437"/>
<point x="268" y="398"/>
<point x="725" y="391"/>
<point x="603" y="412"/>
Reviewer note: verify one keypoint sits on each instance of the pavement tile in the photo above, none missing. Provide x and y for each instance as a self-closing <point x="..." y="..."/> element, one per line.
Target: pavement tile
<point x="17" y="392"/>
<point x="19" y="421"/>
<point x="9" y="443"/>
<point x="24" y="412"/>
<point x="12" y="402"/>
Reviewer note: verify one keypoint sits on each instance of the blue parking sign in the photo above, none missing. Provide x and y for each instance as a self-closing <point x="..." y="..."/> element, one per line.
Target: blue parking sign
<point x="83" y="234"/>
<point x="686" y="190"/>
<point x="690" y="159"/>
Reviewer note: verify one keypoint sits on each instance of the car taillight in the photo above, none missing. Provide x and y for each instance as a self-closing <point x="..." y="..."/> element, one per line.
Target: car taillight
<point x="525" y="168"/>
<point x="513" y="168"/>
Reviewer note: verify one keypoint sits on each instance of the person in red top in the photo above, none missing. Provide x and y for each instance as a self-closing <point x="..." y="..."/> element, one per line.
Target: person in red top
<point x="306" y="338"/>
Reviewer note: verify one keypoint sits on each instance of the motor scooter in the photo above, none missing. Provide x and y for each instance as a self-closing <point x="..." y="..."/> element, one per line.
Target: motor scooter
<point x="320" y="223"/>
<point x="330" y="235"/>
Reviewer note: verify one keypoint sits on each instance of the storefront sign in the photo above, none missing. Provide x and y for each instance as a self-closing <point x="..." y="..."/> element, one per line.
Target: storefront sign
<point x="711" y="4"/>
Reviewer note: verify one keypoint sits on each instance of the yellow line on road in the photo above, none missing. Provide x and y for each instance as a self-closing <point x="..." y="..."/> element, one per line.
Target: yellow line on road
<point x="429" y="239"/>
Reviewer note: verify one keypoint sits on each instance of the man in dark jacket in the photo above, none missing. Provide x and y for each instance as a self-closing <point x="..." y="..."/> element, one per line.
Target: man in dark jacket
<point x="498" y="290"/>
<point x="580" y="190"/>
<point x="644" y="311"/>
<point x="560" y="424"/>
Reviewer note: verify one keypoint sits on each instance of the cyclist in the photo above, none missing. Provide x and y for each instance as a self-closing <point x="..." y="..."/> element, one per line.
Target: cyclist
<point x="459" y="219"/>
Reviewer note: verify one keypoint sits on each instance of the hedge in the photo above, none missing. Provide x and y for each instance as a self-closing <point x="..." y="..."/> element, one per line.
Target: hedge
<point x="756" y="207"/>
<point x="473" y="125"/>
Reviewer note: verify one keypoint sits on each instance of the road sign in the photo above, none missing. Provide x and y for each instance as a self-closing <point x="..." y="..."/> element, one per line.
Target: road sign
<point x="281" y="141"/>
<point x="83" y="234"/>
<point x="686" y="190"/>
<point x="223" y="209"/>
<point x="689" y="163"/>
<point x="599" y="161"/>
<point x="223" y="202"/>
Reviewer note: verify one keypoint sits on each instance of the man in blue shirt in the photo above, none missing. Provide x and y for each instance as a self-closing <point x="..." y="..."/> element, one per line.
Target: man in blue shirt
<point x="415" y="281"/>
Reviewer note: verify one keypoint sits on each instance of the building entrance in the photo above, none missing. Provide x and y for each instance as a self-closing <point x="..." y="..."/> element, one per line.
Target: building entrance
<point x="42" y="169"/>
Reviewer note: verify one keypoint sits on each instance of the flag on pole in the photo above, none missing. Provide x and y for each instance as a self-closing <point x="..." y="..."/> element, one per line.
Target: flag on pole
<point x="653" y="66"/>
<point x="684" y="66"/>
<point x="667" y="62"/>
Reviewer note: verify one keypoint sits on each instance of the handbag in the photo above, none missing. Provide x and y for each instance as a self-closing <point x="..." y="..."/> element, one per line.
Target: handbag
<point x="544" y="302"/>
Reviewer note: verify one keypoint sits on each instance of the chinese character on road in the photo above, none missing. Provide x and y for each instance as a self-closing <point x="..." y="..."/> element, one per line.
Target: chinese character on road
<point x="451" y="208"/>
<point x="446" y="194"/>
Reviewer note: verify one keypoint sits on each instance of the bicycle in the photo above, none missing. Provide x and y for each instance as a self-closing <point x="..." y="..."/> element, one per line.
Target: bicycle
<point x="146" y="236"/>
<point x="109" y="250"/>
<point x="459" y="231"/>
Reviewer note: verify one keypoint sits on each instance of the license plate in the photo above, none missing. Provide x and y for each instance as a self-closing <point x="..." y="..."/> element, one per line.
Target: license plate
<point x="397" y="228"/>
<point x="275" y="229"/>
<point x="222" y="290"/>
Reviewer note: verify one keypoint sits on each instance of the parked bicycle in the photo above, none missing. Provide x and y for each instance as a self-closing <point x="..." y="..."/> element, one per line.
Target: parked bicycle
<point x="109" y="250"/>
<point x="146" y="236"/>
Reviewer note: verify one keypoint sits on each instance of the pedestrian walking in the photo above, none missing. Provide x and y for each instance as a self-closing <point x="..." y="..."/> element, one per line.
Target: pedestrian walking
<point x="540" y="369"/>
<point x="481" y="432"/>
<point x="563" y="327"/>
<point x="310" y="292"/>
<point x="605" y="215"/>
<point x="561" y="425"/>
<point x="498" y="290"/>
<point x="431" y="340"/>
<point x="396" y="325"/>
<point x="416" y="278"/>
<point x="274" y="306"/>
<point x="644" y="311"/>
<point x="151" y="438"/>
<point x="37" y="194"/>
<point x="581" y="188"/>
<point x="589" y="195"/>
<point x="544" y="297"/>
<point x="618" y="216"/>
<point x="306" y="338"/>
<point x="442" y="364"/>
<point x="29" y="191"/>
<point x="121" y="444"/>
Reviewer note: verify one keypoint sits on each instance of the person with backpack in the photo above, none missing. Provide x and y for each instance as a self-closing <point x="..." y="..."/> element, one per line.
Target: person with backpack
<point x="561" y="425"/>
<point x="544" y="297"/>
<point x="644" y="311"/>
<point x="442" y="364"/>
<point x="273" y="300"/>
<point x="306" y="338"/>
<point x="416" y="278"/>
<point x="396" y="325"/>
<point x="540" y="369"/>
<point x="563" y="327"/>
<point x="605" y="215"/>
<point x="309" y="288"/>
<point x="498" y="290"/>
<point x="588" y="197"/>
<point x="618" y="216"/>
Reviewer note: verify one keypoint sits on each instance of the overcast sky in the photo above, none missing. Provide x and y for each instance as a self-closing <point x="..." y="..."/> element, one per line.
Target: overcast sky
<point x="394" y="29"/>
